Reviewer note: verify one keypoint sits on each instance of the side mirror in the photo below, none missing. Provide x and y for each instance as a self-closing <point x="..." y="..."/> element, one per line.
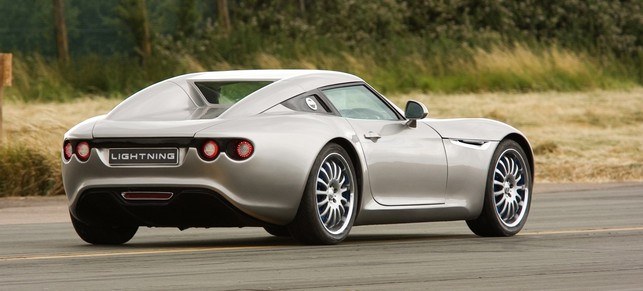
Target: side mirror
<point x="415" y="110"/>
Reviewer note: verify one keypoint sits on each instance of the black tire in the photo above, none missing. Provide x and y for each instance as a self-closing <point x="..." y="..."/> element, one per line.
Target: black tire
<point x="99" y="235"/>
<point x="328" y="208"/>
<point x="277" y="230"/>
<point x="508" y="193"/>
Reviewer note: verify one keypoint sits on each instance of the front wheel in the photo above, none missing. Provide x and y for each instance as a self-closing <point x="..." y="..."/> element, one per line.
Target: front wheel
<point x="103" y="235"/>
<point x="508" y="193"/>
<point x="329" y="203"/>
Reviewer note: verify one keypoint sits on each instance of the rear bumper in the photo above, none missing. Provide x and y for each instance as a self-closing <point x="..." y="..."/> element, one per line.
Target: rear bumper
<point x="252" y="187"/>
<point x="187" y="208"/>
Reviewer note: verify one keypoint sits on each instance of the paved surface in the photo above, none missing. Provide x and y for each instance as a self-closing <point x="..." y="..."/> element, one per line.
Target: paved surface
<point x="577" y="237"/>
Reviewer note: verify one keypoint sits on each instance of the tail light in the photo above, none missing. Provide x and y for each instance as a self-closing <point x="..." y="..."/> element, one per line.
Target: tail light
<point x="83" y="150"/>
<point x="68" y="150"/>
<point x="244" y="149"/>
<point x="210" y="150"/>
<point x="236" y="149"/>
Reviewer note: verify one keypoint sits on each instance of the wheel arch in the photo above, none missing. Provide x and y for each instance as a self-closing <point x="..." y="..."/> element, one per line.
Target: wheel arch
<point x="524" y="143"/>
<point x="308" y="226"/>
<point x="357" y="164"/>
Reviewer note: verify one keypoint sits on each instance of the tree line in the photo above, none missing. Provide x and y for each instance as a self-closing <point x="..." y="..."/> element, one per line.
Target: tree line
<point x="126" y="26"/>
<point x="233" y="33"/>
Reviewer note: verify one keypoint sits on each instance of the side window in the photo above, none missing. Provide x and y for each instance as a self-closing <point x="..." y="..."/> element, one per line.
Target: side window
<point x="360" y="103"/>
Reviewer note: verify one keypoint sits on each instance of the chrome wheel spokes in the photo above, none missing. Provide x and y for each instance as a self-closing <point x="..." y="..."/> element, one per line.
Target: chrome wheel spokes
<point x="335" y="193"/>
<point x="510" y="188"/>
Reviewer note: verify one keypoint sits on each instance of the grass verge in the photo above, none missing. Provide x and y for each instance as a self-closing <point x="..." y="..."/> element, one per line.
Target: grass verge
<point x="396" y="68"/>
<point x="577" y="137"/>
<point x="31" y="142"/>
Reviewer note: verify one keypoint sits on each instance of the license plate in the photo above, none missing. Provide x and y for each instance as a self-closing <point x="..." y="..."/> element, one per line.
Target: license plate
<point x="144" y="156"/>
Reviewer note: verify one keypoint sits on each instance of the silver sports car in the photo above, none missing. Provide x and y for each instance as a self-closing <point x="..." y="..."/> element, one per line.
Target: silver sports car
<point x="302" y="153"/>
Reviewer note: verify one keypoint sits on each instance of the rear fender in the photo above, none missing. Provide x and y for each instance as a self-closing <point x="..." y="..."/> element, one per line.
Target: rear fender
<point x="286" y="146"/>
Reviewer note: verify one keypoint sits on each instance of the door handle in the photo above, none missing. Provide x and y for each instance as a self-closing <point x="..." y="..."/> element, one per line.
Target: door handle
<point x="372" y="136"/>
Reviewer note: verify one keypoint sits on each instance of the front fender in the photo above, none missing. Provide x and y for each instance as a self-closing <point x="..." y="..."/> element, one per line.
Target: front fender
<point x="471" y="129"/>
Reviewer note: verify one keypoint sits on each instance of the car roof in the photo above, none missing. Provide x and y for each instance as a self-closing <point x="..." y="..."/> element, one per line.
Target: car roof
<point x="286" y="84"/>
<point x="272" y="74"/>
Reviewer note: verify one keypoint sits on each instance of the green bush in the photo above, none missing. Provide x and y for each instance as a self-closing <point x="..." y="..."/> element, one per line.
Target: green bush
<point x="26" y="172"/>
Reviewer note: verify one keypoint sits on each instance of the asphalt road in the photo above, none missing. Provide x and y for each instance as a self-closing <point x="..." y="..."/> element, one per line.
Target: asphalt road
<point x="574" y="239"/>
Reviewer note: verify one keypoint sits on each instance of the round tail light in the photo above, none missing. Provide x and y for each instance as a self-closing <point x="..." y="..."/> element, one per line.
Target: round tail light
<point x="83" y="150"/>
<point x="210" y="150"/>
<point x="244" y="149"/>
<point x="68" y="150"/>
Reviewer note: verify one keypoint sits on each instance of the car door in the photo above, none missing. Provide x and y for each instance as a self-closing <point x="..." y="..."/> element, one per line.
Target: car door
<point x="406" y="166"/>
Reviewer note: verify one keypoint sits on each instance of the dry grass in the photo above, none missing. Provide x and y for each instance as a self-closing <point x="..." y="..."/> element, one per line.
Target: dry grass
<point x="577" y="137"/>
<point x="42" y="125"/>
<point x="31" y="142"/>
<point x="521" y="60"/>
<point x="521" y="68"/>
<point x="500" y="68"/>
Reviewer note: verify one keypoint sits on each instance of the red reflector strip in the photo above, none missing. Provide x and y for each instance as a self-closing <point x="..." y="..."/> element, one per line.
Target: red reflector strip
<point x="147" y="195"/>
<point x="68" y="150"/>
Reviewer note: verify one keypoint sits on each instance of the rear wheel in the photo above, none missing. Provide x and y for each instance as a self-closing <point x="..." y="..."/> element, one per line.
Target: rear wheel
<point x="100" y="235"/>
<point x="329" y="204"/>
<point x="277" y="230"/>
<point x="508" y="193"/>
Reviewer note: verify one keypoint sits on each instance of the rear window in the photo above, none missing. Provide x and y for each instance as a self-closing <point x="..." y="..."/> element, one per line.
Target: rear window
<point x="228" y="93"/>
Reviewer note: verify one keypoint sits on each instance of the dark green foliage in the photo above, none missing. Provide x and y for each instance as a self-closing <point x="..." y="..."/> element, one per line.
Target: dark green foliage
<point x="399" y="45"/>
<point x="188" y="18"/>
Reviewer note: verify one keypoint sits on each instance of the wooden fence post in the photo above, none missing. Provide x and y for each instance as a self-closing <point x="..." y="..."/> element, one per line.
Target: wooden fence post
<point x="5" y="80"/>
